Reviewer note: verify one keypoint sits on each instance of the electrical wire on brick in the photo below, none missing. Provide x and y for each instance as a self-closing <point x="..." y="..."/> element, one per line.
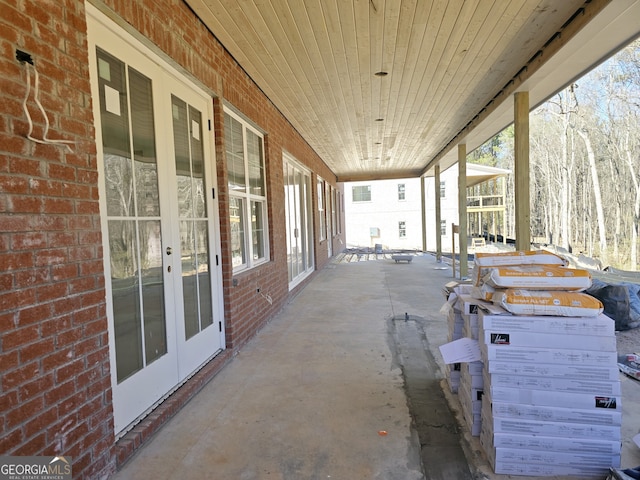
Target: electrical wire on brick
<point x="44" y="140"/>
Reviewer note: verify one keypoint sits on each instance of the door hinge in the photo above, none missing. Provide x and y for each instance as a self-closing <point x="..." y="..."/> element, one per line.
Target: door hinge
<point x="213" y="193"/>
<point x="219" y="326"/>
<point x="209" y="122"/>
<point x="217" y="261"/>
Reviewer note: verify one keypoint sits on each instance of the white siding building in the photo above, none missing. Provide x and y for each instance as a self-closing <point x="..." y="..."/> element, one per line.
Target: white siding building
<point x="388" y="212"/>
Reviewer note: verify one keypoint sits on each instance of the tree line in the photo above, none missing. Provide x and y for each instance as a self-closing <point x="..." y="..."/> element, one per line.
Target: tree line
<point x="584" y="164"/>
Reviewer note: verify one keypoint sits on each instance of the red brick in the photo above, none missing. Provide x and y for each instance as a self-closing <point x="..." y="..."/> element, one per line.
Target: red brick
<point x="33" y="276"/>
<point x="28" y="241"/>
<point x="27" y="409"/>
<point x="59" y="393"/>
<point x="33" y="446"/>
<point x="20" y="336"/>
<point x="41" y="421"/>
<point x="52" y="256"/>
<point x="60" y="357"/>
<point x="36" y="350"/>
<point x="13" y="184"/>
<point x="51" y="292"/>
<point x="57" y="205"/>
<point x="36" y="387"/>
<point x="34" y="314"/>
<point x="70" y="370"/>
<point x="62" y="172"/>
<point x="72" y="403"/>
<point x="8" y="442"/>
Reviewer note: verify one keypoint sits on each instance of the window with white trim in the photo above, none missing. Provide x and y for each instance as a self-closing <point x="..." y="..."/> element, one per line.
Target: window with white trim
<point x="321" y="209"/>
<point x="443" y="227"/>
<point x="361" y="193"/>
<point x="442" y="190"/>
<point x="402" y="229"/>
<point x="401" y="192"/>
<point x="247" y="193"/>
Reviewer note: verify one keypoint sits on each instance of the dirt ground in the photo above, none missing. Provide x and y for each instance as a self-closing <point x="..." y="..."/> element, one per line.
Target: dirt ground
<point x="628" y="341"/>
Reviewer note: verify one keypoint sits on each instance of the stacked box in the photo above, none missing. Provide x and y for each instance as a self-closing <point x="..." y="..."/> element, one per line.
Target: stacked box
<point x="552" y="395"/>
<point x="471" y="386"/>
<point x="456" y="324"/>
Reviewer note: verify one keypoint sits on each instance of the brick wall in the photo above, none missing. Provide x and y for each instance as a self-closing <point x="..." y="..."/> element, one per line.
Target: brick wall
<point x="55" y="394"/>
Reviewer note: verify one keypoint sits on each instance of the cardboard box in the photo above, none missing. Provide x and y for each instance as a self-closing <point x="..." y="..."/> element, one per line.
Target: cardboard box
<point x="583" y="401"/>
<point x="548" y="470"/>
<point x="505" y="338"/>
<point x="513" y="354"/>
<point x="562" y="444"/>
<point x="553" y="457"/>
<point x="549" y="429"/>
<point x="598" y="326"/>
<point x="472" y="368"/>
<point x="550" y="384"/>
<point x="469" y="305"/>
<point x="471" y="405"/>
<point x="592" y="372"/>
<point x="555" y="414"/>
<point x="474" y="381"/>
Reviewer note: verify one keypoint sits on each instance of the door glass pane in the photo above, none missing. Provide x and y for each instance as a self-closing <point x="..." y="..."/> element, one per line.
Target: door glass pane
<point x="126" y="297"/>
<point x="189" y="286"/>
<point x="197" y="164"/>
<point x="144" y="145"/>
<point x="194" y="225"/>
<point x="182" y="156"/>
<point x="204" y="277"/>
<point x="152" y="290"/>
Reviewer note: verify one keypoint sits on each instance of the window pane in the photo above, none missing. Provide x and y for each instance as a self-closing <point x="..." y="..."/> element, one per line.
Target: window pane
<point x="235" y="153"/>
<point x="236" y="216"/>
<point x="255" y="163"/>
<point x="257" y="230"/>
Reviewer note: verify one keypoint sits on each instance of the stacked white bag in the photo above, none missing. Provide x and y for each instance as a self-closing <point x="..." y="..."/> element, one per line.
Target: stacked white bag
<point x="552" y="398"/>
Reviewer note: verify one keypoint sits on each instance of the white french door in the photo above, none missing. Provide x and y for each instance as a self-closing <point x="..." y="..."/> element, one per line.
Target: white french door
<point x="160" y="229"/>
<point x="299" y="229"/>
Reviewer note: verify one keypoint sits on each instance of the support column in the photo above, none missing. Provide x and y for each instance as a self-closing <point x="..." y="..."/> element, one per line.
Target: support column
<point x="423" y="204"/>
<point x="521" y="156"/>
<point x="438" y="230"/>
<point x="462" y="209"/>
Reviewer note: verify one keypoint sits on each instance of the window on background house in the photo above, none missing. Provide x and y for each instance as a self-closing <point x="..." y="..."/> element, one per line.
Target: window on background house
<point x="247" y="193"/>
<point x="361" y="193"/>
<point x="401" y="192"/>
<point x="443" y="227"/>
<point x="321" y="209"/>
<point x="442" y="190"/>
<point x="402" y="229"/>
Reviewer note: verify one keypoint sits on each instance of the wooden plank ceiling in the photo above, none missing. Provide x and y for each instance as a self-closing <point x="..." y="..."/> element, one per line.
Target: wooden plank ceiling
<point x="442" y="63"/>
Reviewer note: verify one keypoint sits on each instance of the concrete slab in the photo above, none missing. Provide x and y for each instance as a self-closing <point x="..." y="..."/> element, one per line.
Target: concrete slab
<point x="336" y="386"/>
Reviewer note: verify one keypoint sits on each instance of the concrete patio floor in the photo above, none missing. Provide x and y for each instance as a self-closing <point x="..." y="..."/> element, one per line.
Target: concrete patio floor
<point x="339" y="385"/>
